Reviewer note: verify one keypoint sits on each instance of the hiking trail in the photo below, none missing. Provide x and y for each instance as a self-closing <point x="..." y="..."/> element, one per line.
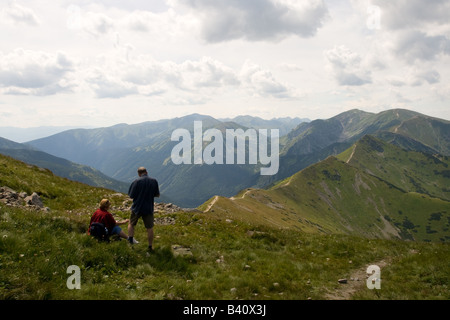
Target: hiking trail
<point x="356" y="282"/>
<point x="211" y="204"/>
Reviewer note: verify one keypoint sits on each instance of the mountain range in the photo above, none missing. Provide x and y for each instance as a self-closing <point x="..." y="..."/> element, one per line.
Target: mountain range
<point x="383" y="175"/>
<point x="21" y="135"/>
<point x="119" y="150"/>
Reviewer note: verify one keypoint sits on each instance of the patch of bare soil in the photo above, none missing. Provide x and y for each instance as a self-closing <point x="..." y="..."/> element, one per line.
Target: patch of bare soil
<point x="347" y="287"/>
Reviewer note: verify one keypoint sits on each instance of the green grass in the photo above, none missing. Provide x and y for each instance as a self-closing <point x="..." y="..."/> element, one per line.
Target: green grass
<point x="37" y="249"/>
<point x="230" y="259"/>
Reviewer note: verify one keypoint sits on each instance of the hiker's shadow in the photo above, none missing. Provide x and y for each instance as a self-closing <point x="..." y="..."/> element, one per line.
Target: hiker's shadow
<point x="163" y="259"/>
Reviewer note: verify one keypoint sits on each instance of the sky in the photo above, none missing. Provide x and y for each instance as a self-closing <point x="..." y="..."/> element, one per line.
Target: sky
<point x="99" y="63"/>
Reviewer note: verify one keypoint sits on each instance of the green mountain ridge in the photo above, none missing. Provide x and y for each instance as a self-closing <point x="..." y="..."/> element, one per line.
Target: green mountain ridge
<point x="60" y="166"/>
<point x="402" y="196"/>
<point x="315" y="141"/>
<point x="118" y="150"/>
<point x="409" y="170"/>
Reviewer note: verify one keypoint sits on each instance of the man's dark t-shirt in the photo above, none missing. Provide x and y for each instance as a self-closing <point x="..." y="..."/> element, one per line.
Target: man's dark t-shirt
<point x="143" y="191"/>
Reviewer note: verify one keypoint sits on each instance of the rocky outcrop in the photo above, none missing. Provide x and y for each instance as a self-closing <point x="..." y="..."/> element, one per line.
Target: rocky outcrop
<point x="13" y="198"/>
<point x="163" y="211"/>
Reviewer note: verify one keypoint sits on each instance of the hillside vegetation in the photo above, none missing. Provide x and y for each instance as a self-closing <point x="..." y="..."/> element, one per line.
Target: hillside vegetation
<point x="374" y="190"/>
<point x="223" y="258"/>
<point x="59" y="166"/>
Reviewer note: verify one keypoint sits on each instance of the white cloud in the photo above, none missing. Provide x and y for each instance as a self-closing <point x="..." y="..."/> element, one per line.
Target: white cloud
<point x="35" y="72"/>
<point x="224" y="20"/>
<point x="261" y="82"/>
<point x="208" y="73"/>
<point x="288" y="67"/>
<point x="416" y="46"/>
<point x="115" y="77"/>
<point x="98" y="24"/>
<point x="17" y="14"/>
<point x="188" y="75"/>
<point x="413" y="14"/>
<point x="221" y="57"/>
<point x="106" y="86"/>
<point x="191" y="80"/>
<point x="415" y="77"/>
<point x="412" y="31"/>
<point x="159" y="25"/>
<point x="347" y="67"/>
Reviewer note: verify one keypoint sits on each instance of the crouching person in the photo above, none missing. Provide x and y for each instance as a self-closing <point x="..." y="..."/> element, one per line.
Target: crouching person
<point x="103" y="225"/>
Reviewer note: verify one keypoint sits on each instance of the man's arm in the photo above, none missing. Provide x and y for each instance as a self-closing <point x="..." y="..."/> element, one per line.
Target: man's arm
<point x="157" y="190"/>
<point x="131" y="190"/>
<point x="122" y="222"/>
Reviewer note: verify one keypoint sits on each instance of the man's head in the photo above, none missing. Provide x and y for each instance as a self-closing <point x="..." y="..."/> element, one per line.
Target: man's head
<point x="141" y="171"/>
<point x="104" y="204"/>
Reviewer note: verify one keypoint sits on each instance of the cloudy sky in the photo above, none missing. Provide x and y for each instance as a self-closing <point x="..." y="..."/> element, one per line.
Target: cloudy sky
<point x="98" y="63"/>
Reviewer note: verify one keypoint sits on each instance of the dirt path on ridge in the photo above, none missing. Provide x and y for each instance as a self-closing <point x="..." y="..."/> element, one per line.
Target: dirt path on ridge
<point x="356" y="282"/>
<point x="211" y="204"/>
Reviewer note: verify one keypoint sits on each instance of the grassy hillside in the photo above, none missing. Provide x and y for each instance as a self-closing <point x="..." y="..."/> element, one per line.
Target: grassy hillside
<point x="372" y="189"/>
<point x="56" y="192"/>
<point x="409" y="170"/>
<point x="228" y="259"/>
<point x="60" y="166"/>
<point x="334" y="197"/>
<point x="432" y="132"/>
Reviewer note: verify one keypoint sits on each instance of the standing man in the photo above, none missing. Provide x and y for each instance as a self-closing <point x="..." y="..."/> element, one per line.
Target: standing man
<point x="143" y="191"/>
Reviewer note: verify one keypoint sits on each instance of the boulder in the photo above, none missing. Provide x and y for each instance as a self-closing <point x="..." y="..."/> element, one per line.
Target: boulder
<point x="34" y="200"/>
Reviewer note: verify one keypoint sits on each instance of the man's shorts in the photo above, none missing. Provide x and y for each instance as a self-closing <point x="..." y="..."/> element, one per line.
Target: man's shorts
<point x="147" y="218"/>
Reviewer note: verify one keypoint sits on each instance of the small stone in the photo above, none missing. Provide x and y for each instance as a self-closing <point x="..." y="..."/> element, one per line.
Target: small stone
<point x="181" y="251"/>
<point x="343" y="281"/>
